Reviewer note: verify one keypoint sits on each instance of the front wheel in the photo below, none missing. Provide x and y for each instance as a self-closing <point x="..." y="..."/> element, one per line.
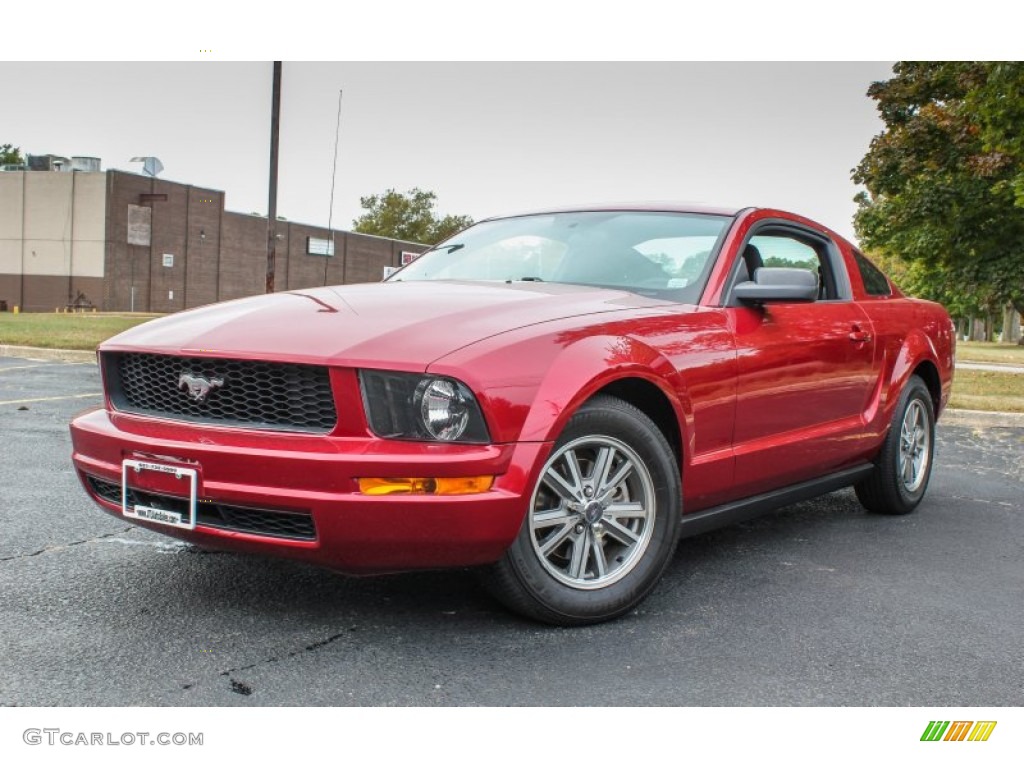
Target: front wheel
<point x="904" y="464"/>
<point x="602" y="523"/>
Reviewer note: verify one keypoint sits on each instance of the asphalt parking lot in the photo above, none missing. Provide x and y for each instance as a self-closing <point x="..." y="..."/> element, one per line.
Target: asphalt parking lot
<point x="818" y="604"/>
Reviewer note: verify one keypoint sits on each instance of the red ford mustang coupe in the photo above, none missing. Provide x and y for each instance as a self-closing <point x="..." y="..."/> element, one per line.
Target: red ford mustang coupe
<point x="557" y="397"/>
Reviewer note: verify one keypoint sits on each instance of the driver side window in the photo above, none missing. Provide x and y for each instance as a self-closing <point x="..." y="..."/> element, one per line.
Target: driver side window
<point x="784" y="249"/>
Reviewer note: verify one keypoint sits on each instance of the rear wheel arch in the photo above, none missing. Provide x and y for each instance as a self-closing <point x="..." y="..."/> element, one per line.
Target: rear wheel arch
<point x="927" y="371"/>
<point x="917" y="356"/>
<point x="904" y="463"/>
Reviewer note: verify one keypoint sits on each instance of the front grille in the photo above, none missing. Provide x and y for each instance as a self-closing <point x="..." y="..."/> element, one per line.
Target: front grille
<point x="247" y="393"/>
<point x="264" y="522"/>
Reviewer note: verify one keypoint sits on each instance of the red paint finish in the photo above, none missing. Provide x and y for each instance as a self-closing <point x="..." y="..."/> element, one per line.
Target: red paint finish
<point x="759" y="398"/>
<point x="803" y="385"/>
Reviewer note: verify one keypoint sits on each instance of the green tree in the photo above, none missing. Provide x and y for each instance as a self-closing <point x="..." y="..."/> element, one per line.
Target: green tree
<point x="407" y="216"/>
<point x="929" y="280"/>
<point x="945" y="181"/>
<point x="10" y="155"/>
<point x="998" y="103"/>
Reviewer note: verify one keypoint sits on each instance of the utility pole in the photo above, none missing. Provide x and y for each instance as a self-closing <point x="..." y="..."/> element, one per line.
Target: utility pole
<point x="275" y="130"/>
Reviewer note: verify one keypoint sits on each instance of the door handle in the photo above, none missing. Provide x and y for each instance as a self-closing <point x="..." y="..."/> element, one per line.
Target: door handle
<point x="857" y="336"/>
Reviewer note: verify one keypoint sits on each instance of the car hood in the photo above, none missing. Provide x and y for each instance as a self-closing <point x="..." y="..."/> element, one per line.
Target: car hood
<point x="402" y="325"/>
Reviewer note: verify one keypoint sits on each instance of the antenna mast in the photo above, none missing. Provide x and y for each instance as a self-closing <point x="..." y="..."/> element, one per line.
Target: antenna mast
<point x="334" y="173"/>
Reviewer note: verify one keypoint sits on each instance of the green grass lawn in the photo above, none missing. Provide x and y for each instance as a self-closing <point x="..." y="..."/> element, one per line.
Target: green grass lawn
<point x="989" y="352"/>
<point x="54" y="330"/>
<point x="988" y="391"/>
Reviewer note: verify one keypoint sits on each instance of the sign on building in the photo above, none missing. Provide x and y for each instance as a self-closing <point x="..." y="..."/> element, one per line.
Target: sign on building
<point x="318" y="246"/>
<point x="408" y="257"/>
<point x="140" y="224"/>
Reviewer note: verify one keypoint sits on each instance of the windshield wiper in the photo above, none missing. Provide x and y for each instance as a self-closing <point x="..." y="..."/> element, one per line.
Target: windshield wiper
<point x="448" y="249"/>
<point x="526" y="280"/>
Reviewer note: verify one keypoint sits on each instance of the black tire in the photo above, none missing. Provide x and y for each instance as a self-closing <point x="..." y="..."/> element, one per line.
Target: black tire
<point x="898" y="484"/>
<point x="592" y="549"/>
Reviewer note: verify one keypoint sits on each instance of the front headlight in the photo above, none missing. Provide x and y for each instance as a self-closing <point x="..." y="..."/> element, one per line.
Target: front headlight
<point x="417" y="406"/>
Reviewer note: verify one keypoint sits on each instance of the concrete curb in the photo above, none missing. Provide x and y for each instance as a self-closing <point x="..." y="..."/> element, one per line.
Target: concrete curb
<point x="961" y="417"/>
<point x="991" y="367"/>
<point x="40" y="353"/>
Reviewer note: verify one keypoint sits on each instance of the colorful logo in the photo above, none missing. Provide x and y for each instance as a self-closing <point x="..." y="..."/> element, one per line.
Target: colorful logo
<point x="958" y="730"/>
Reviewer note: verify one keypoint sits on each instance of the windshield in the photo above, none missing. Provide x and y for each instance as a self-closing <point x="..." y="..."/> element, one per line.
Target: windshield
<point x="667" y="255"/>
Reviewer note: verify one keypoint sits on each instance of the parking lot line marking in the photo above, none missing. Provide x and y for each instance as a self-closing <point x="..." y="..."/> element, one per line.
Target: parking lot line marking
<point x="162" y="546"/>
<point x="23" y="367"/>
<point x="50" y="399"/>
<point x="40" y="364"/>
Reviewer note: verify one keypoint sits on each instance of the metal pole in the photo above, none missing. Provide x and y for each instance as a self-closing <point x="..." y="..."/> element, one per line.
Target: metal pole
<point x="275" y="129"/>
<point x="131" y="250"/>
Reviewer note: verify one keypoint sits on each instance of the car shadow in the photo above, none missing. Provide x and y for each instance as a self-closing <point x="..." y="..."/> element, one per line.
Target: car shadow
<point x="291" y="592"/>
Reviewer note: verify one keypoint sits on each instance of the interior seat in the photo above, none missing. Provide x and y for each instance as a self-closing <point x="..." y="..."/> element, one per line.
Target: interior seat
<point x="752" y="259"/>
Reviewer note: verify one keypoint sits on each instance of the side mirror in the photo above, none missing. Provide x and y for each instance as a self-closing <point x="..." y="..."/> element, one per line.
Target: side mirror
<point x="778" y="284"/>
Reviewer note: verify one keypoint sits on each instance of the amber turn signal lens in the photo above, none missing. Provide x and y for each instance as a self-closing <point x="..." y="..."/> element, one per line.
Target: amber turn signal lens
<point x="437" y="486"/>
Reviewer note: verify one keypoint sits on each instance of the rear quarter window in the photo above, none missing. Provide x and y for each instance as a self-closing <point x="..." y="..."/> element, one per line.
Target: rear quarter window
<point x="875" y="283"/>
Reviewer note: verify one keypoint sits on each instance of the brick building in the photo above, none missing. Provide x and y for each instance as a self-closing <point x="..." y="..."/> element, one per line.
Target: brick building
<point x="121" y="241"/>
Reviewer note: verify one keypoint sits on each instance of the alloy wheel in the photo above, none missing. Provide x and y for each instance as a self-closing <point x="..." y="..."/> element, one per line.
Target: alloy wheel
<point x="592" y="512"/>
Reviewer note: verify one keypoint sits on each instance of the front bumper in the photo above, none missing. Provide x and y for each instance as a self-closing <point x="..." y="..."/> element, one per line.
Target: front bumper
<point x="318" y="475"/>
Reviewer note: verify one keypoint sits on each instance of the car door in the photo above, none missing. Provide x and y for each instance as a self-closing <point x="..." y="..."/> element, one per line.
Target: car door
<point x="804" y="369"/>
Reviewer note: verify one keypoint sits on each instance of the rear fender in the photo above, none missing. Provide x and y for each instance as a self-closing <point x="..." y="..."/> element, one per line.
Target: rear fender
<point x="917" y="348"/>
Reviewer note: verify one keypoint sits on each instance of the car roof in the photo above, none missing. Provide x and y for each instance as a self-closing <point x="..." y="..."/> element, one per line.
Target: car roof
<point x="656" y="206"/>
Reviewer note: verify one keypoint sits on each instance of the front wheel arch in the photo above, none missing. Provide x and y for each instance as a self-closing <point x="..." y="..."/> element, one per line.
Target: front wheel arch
<point x="655" y="404"/>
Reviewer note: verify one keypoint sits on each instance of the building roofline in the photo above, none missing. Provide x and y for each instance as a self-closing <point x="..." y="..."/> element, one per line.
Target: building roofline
<point x="261" y="215"/>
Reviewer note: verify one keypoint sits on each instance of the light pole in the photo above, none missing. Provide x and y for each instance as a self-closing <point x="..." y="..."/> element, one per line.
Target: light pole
<point x="275" y="129"/>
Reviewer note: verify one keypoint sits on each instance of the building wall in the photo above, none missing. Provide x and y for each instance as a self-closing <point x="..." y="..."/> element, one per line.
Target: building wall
<point x="221" y="255"/>
<point x="243" y="258"/>
<point x="357" y="258"/>
<point x="11" y="216"/>
<point x="169" y="236"/>
<point x="202" y="274"/>
<point x="304" y="270"/>
<point x="65" y="233"/>
<point x="52" y="234"/>
<point x="187" y="235"/>
<point x="127" y="267"/>
<point x="365" y="258"/>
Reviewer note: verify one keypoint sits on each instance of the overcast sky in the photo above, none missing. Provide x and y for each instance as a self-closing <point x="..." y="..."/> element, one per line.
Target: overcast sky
<point x="488" y="138"/>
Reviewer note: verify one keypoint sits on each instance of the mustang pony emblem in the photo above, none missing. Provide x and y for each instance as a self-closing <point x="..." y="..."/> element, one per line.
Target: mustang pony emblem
<point x="198" y="387"/>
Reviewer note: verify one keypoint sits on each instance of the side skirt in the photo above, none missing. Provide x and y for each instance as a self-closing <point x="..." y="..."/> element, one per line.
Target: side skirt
<point x="744" y="509"/>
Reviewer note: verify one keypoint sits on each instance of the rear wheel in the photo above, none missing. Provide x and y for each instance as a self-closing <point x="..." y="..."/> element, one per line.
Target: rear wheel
<point x="904" y="465"/>
<point x="602" y="524"/>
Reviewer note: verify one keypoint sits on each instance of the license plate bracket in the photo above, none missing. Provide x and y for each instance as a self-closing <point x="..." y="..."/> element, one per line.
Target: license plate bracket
<point x="154" y="514"/>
